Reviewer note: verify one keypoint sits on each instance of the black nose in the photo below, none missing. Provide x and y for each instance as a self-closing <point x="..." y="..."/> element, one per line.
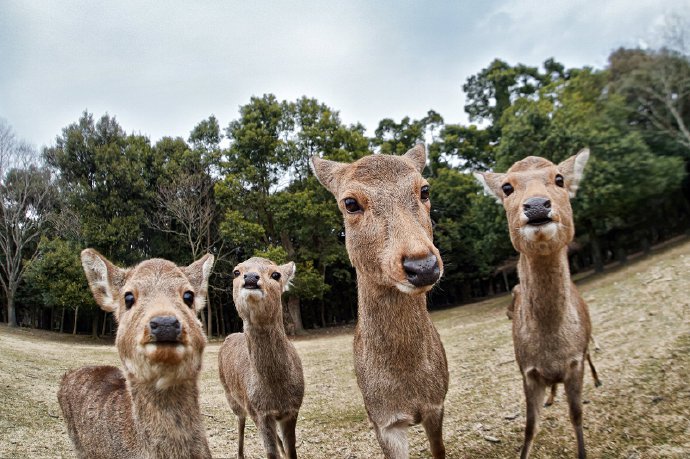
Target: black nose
<point x="422" y="271"/>
<point x="537" y="210"/>
<point x="165" y="329"/>
<point x="251" y="280"/>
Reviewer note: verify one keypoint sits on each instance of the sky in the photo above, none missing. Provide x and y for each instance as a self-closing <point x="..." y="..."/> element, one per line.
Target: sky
<point x="162" y="67"/>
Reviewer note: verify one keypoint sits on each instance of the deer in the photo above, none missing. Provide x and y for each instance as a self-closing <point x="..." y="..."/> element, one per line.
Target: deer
<point x="150" y="408"/>
<point x="260" y="369"/>
<point x="551" y="323"/>
<point x="400" y="362"/>
<point x="516" y="292"/>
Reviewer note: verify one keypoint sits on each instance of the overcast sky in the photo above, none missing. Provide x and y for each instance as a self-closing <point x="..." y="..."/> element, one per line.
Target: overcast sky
<point x="161" y="67"/>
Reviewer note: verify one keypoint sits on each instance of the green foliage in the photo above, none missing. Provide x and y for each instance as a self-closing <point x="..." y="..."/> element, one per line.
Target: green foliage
<point x="56" y="275"/>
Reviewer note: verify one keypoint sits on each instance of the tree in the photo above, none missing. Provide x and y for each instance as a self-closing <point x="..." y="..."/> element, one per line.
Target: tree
<point x="25" y="196"/>
<point x="656" y="85"/>
<point x="396" y="138"/>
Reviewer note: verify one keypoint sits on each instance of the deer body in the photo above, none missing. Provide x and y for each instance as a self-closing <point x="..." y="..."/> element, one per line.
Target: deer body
<point x="260" y="369"/>
<point x="151" y="409"/>
<point x="551" y="324"/>
<point x="400" y="362"/>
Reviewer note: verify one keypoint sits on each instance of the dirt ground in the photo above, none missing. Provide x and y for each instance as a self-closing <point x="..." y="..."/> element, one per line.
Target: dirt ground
<point x="641" y="318"/>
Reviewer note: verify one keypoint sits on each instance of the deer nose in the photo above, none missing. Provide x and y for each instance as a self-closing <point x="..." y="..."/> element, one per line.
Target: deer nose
<point x="165" y="329"/>
<point x="422" y="271"/>
<point x="537" y="210"/>
<point x="251" y="280"/>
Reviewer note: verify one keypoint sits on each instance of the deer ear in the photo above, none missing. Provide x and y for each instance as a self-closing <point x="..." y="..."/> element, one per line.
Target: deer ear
<point x="492" y="183"/>
<point x="288" y="271"/>
<point x="418" y="156"/>
<point x="105" y="279"/>
<point x="572" y="168"/>
<point x="198" y="274"/>
<point x="327" y="172"/>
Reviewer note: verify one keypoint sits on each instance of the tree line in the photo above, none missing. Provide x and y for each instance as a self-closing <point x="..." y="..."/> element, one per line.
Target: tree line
<point x="245" y="189"/>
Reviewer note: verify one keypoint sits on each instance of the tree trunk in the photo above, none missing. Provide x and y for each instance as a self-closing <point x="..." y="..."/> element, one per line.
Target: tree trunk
<point x="94" y="325"/>
<point x="209" y="331"/>
<point x="11" y="311"/>
<point x="223" y="330"/>
<point x="203" y="319"/>
<point x="293" y="306"/>
<point x="76" y="316"/>
<point x="105" y="322"/>
<point x="62" y="321"/>
<point x="52" y="318"/>
<point x="596" y="249"/>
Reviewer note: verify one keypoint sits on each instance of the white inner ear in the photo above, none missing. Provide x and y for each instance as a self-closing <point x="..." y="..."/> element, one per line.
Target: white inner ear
<point x="480" y="178"/>
<point x="206" y="269"/>
<point x="290" y="276"/>
<point x="101" y="283"/>
<point x="578" y="170"/>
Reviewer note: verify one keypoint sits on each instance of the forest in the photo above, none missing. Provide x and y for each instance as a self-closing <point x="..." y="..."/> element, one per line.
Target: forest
<point x="244" y="188"/>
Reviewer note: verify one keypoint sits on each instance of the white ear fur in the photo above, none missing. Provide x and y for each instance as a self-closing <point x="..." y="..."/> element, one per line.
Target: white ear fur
<point x="96" y="271"/>
<point x="573" y="169"/>
<point x="198" y="274"/>
<point x="289" y="270"/>
<point x="487" y="189"/>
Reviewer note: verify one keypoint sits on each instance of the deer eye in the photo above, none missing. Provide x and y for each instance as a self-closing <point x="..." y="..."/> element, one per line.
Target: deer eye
<point x="236" y="273"/>
<point x="129" y="300"/>
<point x="275" y="276"/>
<point x="352" y="206"/>
<point x="507" y="189"/>
<point x="424" y="194"/>
<point x="188" y="298"/>
<point x="559" y="181"/>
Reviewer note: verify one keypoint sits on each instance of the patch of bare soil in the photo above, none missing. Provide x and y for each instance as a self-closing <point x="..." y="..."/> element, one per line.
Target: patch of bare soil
<point x="641" y="318"/>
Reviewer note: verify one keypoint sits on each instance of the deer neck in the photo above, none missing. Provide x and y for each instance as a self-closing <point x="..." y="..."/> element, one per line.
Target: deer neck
<point x="169" y="421"/>
<point x="268" y="345"/>
<point x="545" y="281"/>
<point x="388" y="317"/>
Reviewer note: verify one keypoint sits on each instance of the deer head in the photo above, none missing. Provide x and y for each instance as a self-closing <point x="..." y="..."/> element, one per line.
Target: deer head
<point x="159" y="337"/>
<point x="257" y="288"/>
<point x="536" y="196"/>
<point x="385" y="204"/>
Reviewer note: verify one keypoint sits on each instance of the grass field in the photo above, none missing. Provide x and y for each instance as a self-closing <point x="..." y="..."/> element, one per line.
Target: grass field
<point x="641" y="319"/>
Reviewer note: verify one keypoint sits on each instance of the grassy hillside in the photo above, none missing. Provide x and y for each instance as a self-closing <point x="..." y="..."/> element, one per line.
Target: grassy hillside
<point x="641" y="318"/>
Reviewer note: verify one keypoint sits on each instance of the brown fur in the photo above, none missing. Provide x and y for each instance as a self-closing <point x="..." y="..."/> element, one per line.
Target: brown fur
<point x="260" y="368"/>
<point x="400" y="362"/>
<point x="151" y="410"/>
<point x="551" y="324"/>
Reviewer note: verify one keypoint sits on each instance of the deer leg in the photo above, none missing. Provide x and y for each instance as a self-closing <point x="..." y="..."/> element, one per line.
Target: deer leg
<point x="534" y="396"/>
<point x="287" y="429"/>
<point x="267" y="429"/>
<point x="597" y="381"/>
<point x="393" y="440"/>
<point x="573" y="390"/>
<point x="597" y="348"/>
<point x="433" y="425"/>
<point x="240" y="434"/>
<point x="552" y="395"/>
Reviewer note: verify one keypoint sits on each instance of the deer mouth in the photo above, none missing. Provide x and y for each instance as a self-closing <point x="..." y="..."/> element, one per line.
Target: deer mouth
<point x="539" y="221"/>
<point x="251" y="285"/>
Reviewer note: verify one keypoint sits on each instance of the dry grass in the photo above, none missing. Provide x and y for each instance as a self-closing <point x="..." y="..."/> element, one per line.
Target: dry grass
<point x="641" y="316"/>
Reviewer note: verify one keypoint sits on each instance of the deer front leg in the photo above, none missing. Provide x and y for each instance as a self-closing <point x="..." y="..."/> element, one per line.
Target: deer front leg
<point x="287" y="429"/>
<point x="433" y="425"/>
<point x="573" y="390"/>
<point x="534" y="396"/>
<point x="240" y="434"/>
<point x="267" y="429"/>
<point x="393" y="440"/>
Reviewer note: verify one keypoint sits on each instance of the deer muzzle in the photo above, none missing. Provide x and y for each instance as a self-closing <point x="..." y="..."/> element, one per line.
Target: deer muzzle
<point x="421" y="272"/>
<point x="537" y="210"/>
<point x="165" y="329"/>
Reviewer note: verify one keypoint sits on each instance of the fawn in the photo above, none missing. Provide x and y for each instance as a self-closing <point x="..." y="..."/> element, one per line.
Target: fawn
<point x="551" y="324"/>
<point x="151" y="409"/>
<point x="260" y="369"/>
<point x="400" y="362"/>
